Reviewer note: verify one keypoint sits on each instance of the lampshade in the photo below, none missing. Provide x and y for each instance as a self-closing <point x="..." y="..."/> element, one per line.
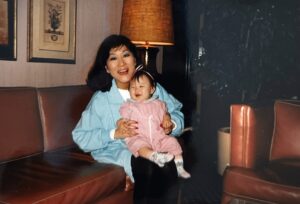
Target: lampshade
<point x="148" y="22"/>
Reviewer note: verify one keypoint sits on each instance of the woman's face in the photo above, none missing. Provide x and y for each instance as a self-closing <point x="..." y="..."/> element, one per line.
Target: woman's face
<point x="121" y="65"/>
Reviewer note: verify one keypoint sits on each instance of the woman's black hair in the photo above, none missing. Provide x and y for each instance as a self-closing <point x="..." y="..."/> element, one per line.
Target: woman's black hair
<point x="98" y="78"/>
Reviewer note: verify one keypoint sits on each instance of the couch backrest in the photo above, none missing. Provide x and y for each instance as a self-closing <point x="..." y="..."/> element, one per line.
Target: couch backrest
<point x="33" y="120"/>
<point x="286" y="135"/>
<point x="20" y="126"/>
<point x="61" y="108"/>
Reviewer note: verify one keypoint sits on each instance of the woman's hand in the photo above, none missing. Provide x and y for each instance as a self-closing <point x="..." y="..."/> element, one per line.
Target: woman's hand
<point x="125" y="128"/>
<point x="167" y="124"/>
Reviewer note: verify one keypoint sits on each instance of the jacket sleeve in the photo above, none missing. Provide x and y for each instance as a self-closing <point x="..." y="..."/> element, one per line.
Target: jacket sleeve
<point x="89" y="133"/>
<point x="173" y="107"/>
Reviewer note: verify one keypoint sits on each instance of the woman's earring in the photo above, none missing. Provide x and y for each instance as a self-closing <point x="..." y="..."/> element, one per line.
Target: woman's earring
<point x="106" y="69"/>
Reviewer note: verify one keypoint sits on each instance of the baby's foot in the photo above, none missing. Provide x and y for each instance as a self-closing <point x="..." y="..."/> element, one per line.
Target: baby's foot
<point x="181" y="171"/>
<point x="161" y="158"/>
<point x="184" y="174"/>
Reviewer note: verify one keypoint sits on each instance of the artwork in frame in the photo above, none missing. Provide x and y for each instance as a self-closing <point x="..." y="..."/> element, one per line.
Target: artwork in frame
<point x="8" y="27"/>
<point x="52" y="31"/>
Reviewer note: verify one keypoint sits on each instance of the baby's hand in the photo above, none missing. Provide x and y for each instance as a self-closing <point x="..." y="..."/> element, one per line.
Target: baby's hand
<point x="125" y="128"/>
<point x="167" y="124"/>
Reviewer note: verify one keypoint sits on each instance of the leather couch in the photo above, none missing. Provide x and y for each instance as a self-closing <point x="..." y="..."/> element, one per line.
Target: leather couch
<point x="39" y="163"/>
<point x="265" y="154"/>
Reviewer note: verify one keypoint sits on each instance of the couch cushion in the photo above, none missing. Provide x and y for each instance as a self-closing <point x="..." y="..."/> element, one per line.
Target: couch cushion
<point x="277" y="183"/>
<point x="59" y="177"/>
<point x="61" y="108"/>
<point x="21" y="130"/>
<point x="286" y="136"/>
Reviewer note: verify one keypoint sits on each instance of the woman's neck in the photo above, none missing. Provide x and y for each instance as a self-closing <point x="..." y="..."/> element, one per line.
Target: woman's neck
<point x="121" y="85"/>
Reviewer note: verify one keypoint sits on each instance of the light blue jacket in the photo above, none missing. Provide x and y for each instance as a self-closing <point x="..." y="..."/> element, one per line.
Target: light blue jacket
<point x="92" y="132"/>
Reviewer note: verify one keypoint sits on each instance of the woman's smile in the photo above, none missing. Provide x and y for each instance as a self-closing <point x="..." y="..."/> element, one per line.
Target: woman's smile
<point x="123" y="71"/>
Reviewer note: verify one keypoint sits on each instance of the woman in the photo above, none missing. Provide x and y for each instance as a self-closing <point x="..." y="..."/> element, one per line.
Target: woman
<point x="101" y="131"/>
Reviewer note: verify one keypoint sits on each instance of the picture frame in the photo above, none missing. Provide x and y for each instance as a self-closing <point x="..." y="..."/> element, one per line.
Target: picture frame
<point x="52" y="31"/>
<point x="8" y="28"/>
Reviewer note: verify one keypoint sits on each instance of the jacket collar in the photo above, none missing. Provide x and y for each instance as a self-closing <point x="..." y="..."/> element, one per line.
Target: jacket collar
<point x="114" y="95"/>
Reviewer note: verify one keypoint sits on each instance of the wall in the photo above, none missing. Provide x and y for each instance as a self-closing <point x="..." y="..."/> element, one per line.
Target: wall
<point x="239" y="51"/>
<point x="246" y="50"/>
<point x="174" y="58"/>
<point x="96" y="19"/>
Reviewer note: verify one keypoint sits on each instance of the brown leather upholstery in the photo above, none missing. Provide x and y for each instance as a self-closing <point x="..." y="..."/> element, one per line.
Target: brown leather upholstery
<point x="61" y="108"/>
<point x="39" y="163"/>
<point x="286" y="131"/>
<point x="20" y="125"/>
<point x="264" y="167"/>
<point x="58" y="177"/>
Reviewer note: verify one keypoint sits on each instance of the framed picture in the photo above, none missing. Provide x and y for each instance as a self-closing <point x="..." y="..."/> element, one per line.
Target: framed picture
<point x="52" y="31"/>
<point x="8" y="26"/>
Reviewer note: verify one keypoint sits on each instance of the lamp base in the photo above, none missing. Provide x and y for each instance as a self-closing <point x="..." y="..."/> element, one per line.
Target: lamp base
<point x="148" y="58"/>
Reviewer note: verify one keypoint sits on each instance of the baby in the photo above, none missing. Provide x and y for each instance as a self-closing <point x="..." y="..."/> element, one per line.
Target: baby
<point x="151" y="142"/>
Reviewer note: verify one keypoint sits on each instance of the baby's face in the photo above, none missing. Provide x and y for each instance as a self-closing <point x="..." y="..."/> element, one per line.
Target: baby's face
<point x="141" y="90"/>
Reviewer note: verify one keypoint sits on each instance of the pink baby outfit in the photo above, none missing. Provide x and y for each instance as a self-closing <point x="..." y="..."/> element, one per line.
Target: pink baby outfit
<point x="149" y="115"/>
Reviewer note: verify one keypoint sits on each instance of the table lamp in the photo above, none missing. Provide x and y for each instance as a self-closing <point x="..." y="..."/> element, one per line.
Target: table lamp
<point x="148" y="24"/>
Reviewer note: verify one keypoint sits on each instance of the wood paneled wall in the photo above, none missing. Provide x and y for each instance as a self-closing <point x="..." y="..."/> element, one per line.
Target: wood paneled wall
<point x="96" y="19"/>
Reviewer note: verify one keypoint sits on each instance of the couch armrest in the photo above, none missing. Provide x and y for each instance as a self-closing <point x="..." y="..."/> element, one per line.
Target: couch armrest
<point x="251" y="133"/>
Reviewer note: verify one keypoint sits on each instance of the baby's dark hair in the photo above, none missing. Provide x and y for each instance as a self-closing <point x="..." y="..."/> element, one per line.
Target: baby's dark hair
<point x="139" y="73"/>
